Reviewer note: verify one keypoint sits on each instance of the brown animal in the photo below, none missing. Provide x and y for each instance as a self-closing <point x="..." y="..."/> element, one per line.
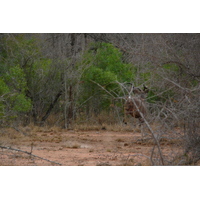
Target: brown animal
<point x="135" y="104"/>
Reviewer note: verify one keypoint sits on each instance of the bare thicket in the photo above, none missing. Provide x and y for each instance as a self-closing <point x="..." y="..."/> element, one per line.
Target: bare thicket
<point x="171" y="62"/>
<point x="178" y="91"/>
<point x="176" y="111"/>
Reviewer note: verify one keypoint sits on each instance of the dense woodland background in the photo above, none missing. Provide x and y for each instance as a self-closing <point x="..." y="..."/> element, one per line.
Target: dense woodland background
<point x="75" y="78"/>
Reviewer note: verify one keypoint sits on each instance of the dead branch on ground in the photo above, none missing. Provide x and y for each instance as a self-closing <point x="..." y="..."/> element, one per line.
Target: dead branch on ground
<point x="29" y="153"/>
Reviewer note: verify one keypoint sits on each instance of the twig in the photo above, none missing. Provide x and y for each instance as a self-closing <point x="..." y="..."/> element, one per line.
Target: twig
<point x="18" y="130"/>
<point x="29" y="153"/>
<point x="151" y="130"/>
<point x="127" y="159"/>
<point x="176" y="84"/>
<point x="151" y="158"/>
<point x="102" y="88"/>
<point x="141" y="114"/>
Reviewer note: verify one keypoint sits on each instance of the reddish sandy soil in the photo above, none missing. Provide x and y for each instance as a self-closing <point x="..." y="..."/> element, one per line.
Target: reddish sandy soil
<point x="81" y="148"/>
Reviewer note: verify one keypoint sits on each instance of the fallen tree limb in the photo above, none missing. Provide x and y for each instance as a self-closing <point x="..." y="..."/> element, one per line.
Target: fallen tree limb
<point x="29" y="153"/>
<point x="152" y="133"/>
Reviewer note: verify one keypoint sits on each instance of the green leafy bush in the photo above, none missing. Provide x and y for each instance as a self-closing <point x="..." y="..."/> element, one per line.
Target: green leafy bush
<point x="106" y="66"/>
<point x="20" y="64"/>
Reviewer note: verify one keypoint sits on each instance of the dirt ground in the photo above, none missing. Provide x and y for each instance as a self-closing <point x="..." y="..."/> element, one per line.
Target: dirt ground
<point x="80" y="148"/>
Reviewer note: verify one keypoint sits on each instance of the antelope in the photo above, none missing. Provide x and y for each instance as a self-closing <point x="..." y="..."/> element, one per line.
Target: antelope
<point x="135" y="104"/>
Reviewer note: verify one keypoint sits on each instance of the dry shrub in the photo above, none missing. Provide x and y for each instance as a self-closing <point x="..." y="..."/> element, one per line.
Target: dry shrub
<point x="191" y="129"/>
<point x="192" y="141"/>
<point x="105" y="121"/>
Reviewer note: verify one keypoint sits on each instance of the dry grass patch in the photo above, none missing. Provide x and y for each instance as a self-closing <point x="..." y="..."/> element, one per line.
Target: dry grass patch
<point x="87" y="127"/>
<point x="76" y="146"/>
<point x="119" y="140"/>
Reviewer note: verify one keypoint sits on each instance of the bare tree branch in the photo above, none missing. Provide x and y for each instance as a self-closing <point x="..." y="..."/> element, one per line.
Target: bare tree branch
<point x="29" y="153"/>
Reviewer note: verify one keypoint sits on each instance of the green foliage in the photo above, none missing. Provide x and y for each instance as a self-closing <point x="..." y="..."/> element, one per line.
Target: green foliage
<point x="20" y="63"/>
<point x="37" y="74"/>
<point x="12" y="93"/>
<point x="145" y="76"/>
<point x="29" y="81"/>
<point x="171" y="67"/>
<point x="105" y="68"/>
<point x="12" y="102"/>
<point x="109" y="58"/>
<point x="99" y="76"/>
<point x="15" y="78"/>
<point x="4" y="89"/>
<point x="152" y="98"/>
<point x="20" y="103"/>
